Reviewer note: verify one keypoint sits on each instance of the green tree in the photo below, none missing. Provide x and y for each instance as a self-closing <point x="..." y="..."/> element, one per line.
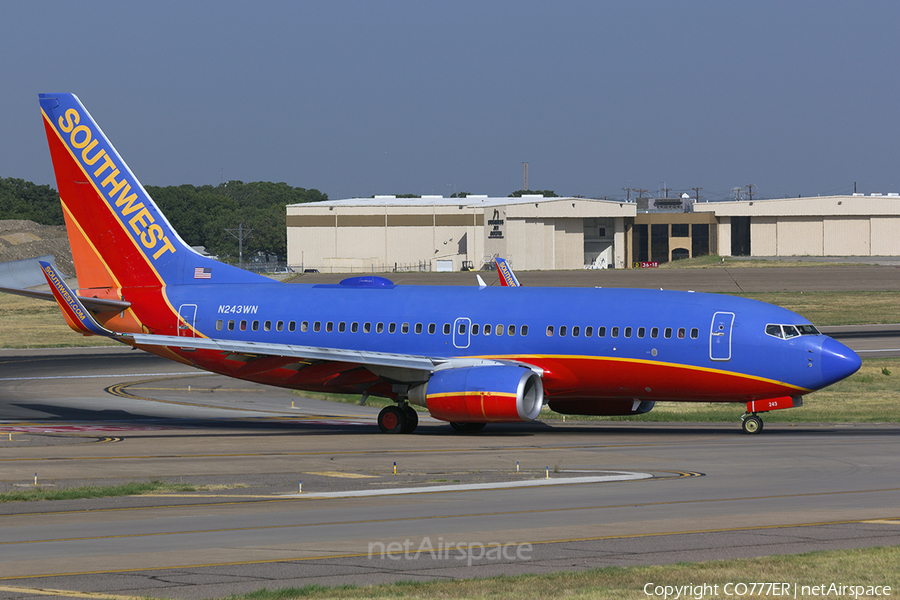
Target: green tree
<point x="545" y="193"/>
<point x="20" y="199"/>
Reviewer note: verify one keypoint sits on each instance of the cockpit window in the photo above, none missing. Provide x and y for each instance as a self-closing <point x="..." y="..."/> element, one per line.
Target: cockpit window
<point x="790" y="331"/>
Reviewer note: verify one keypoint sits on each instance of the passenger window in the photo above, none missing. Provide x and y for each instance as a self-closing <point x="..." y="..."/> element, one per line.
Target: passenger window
<point x="317" y="326"/>
<point x="487" y="329"/>
<point x="304" y="326"/>
<point x="418" y="328"/>
<point x="668" y="333"/>
<point x="446" y="328"/>
<point x="379" y="327"/>
<point x="695" y="333"/>
<point x="230" y="325"/>
<point x="654" y="333"/>
<point x="498" y="330"/>
<point x="279" y="326"/>
<point x="549" y="330"/>
<point x="462" y="328"/>
<point x="367" y="327"/>
<point x="243" y="326"/>
<point x="342" y="327"/>
<point x="790" y="331"/>
<point x="404" y="328"/>
<point x="628" y="332"/>
<point x="392" y="327"/>
<point x="588" y="331"/>
<point x="601" y="332"/>
<point x="431" y="328"/>
<point x="267" y="326"/>
<point x="562" y="331"/>
<point x="354" y="327"/>
<point x="614" y="332"/>
<point x="641" y="332"/>
<point x="523" y="330"/>
<point x="219" y="325"/>
<point x="511" y="330"/>
<point x="575" y="331"/>
<point x="292" y="325"/>
<point x="329" y="326"/>
<point x="475" y="329"/>
<point x="255" y="326"/>
<point x="681" y="333"/>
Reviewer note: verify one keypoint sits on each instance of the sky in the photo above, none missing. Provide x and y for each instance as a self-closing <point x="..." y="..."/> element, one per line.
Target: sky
<point x="357" y="98"/>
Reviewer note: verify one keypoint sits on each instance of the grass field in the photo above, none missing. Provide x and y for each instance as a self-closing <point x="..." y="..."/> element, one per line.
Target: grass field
<point x="32" y="323"/>
<point x="867" y="567"/>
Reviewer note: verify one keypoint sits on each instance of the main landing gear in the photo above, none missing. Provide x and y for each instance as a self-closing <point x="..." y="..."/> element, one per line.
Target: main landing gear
<point x="398" y="419"/>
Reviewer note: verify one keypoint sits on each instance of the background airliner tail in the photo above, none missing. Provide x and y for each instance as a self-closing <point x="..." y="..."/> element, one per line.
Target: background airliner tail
<point x="119" y="237"/>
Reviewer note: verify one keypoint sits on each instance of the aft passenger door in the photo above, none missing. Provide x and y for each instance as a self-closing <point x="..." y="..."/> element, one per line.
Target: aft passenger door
<point x="187" y="315"/>
<point x="720" y="336"/>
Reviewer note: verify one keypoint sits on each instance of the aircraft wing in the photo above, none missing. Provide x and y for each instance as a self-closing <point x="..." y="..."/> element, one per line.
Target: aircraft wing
<point x="360" y="357"/>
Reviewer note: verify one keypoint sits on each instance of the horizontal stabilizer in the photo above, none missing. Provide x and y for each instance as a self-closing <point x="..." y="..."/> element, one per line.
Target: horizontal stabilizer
<point x="97" y="304"/>
<point x="77" y="316"/>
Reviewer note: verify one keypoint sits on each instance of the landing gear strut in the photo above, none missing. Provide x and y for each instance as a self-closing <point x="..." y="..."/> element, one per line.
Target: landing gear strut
<point x="751" y="423"/>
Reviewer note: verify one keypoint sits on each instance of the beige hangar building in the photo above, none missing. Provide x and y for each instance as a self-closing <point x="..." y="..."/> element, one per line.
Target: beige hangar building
<point x="856" y="225"/>
<point x="433" y="233"/>
<point x="386" y="233"/>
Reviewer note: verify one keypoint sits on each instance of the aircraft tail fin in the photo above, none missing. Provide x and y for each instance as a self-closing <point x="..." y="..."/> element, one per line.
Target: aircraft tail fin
<point x="507" y="277"/>
<point x="120" y="239"/>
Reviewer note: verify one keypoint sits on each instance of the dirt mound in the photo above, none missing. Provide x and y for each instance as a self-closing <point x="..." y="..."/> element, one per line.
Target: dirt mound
<point x="27" y="239"/>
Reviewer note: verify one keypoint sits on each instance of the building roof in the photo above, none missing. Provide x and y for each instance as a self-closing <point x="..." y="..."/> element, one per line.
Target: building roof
<point x="855" y="205"/>
<point x="471" y="201"/>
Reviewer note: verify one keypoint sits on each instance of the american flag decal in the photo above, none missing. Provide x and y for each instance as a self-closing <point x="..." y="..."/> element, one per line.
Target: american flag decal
<point x="203" y="273"/>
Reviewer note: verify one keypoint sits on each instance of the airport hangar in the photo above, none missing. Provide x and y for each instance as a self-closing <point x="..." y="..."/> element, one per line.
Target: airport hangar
<point x="433" y="233"/>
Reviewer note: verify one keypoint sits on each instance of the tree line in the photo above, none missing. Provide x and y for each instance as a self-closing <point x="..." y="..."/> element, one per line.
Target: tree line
<point x="200" y="214"/>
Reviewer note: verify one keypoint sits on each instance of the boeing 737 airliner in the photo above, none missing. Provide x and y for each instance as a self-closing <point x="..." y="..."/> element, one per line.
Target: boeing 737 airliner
<point x="470" y="355"/>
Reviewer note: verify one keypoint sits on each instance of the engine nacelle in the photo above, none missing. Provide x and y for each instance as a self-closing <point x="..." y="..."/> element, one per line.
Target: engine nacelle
<point x="602" y="407"/>
<point x="483" y="394"/>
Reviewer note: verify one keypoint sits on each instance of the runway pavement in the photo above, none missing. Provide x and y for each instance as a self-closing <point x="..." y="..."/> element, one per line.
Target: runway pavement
<point x="670" y="492"/>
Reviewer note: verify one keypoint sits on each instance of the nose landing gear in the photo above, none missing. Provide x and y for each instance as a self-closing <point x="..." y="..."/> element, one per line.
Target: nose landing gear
<point x="752" y="423"/>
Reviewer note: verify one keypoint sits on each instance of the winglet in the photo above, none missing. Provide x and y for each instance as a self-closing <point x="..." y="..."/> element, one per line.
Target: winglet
<point x="77" y="316"/>
<point x="507" y="277"/>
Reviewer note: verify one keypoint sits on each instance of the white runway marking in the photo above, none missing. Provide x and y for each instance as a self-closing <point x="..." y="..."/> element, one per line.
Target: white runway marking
<point x="466" y="487"/>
